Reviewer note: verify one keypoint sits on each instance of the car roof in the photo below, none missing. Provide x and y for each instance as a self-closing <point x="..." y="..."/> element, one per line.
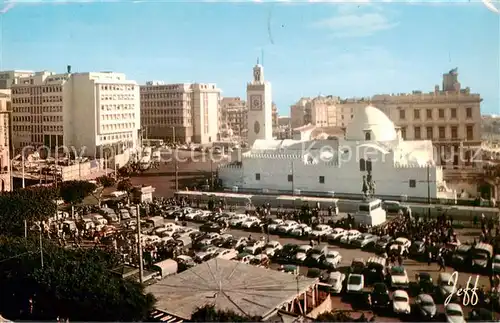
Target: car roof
<point x="424" y="275"/>
<point x="402" y="239"/>
<point x="400" y="292"/>
<point x="445" y="276"/>
<point x="335" y="274"/>
<point x="425" y="298"/>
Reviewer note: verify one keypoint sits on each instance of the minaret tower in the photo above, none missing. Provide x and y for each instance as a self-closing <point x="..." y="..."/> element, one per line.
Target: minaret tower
<point x="259" y="104"/>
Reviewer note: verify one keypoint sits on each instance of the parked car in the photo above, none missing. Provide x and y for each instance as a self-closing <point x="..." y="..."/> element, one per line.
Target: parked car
<point x="332" y="259"/>
<point x="461" y="257"/>
<point x="251" y="223"/>
<point x="495" y="264"/>
<point x="399" y="277"/>
<point x="255" y="247"/>
<point x="364" y="240"/>
<point x="237" y="220"/>
<point x="315" y="256"/>
<point x="287" y="254"/>
<point x="454" y="313"/>
<point x="302" y="253"/>
<point x="211" y="227"/>
<point x="287" y="227"/>
<point x="355" y="283"/>
<point x="400" y="246"/>
<point x="426" y="308"/>
<point x="401" y="302"/>
<point x="382" y="244"/>
<point x="321" y="230"/>
<point x="350" y="236"/>
<point x="336" y="282"/>
<point x="424" y="282"/>
<point x="227" y="254"/>
<point x="272" y="247"/>
<point x="205" y="254"/>
<point x="275" y="223"/>
<point x="336" y="235"/>
<point x="417" y="249"/>
<point x="301" y="230"/>
<point x="193" y="215"/>
<point x="380" y="296"/>
<point x="443" y="288"/>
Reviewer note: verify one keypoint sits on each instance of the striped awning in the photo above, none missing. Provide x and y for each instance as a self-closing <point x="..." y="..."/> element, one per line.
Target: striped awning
<point x="160" y="316"/>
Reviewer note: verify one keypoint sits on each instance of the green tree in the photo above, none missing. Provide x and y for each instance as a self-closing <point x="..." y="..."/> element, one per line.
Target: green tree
<point x="74" y="192"/>
<point x="339" y="316"/>
<point x="125" y="185"/>
<point x="74" y="283"/>
<point x="106" y="181"/>
<point x="209" y="313"/>
<point x="29" y="204"/>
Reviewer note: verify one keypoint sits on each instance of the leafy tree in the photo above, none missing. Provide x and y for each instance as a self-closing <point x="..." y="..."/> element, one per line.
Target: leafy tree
<point x="106" y="181"/>
<point x="209" y="313"/>
<point x="74" y="283"/>
<point x="75" y="191"/>
<point x="339" y="316"/>
<point x="125" y="185"/>
<point x="29" y="204"/>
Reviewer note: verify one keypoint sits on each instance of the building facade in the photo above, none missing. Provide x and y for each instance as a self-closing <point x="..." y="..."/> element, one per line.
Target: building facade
<point x="5" y="127"/>
<point x="320" y="111"/>
<point x="184" y="112"/>
<point x="234" y="114"/>
<point x="260" y="103"/>
<point x="90" y="112"/>
<point x="8" y="78"/>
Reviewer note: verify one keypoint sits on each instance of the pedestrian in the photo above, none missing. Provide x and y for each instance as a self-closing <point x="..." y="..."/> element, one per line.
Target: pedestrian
<point x="441" y="263"/>
<point x="429" y="258"/>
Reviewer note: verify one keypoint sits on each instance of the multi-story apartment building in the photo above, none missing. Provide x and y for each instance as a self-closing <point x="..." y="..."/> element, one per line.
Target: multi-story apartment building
<point x="8" y="78"/>
<point x="234" y="114"/>
<point x="5" y="164"/>
<point x="347" y="108"/>
<point x="184" y="112"/>
<point x="320" y="111"/>
<point x="450" y="117"/>
<point x="88" y="111"/>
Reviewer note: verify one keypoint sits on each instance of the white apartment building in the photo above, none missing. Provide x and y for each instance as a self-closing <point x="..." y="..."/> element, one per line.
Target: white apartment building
<point x="7" y="78"/>
<point x="320" y="111"/>
<point x="5" y="165"/>
<point x="184" y="112"/>
<point x="88" y="111"/>
<point x="233" y="116"/>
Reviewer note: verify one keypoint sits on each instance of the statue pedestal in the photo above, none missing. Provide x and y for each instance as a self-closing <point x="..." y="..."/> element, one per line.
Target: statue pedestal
<point x="370" y="212"/>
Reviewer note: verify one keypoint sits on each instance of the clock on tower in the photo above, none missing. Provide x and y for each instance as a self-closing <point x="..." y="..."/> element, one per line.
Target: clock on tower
<point x="255" y="102"/>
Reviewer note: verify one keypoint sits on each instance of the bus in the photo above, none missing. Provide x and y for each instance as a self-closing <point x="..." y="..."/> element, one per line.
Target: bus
<point x="158" y="143"/>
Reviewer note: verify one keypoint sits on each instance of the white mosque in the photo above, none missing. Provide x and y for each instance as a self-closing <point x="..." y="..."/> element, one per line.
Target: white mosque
<point x="399" y="168"/>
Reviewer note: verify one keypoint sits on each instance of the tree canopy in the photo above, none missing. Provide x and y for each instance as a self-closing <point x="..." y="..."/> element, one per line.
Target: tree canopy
<point x="106" y="181"/>
<point x="125" y="185"/>
<point x="30" y="204"/>
<point x="73" y="283"/>
<point x="76" y="191"/>
<point x="209" y="313"/>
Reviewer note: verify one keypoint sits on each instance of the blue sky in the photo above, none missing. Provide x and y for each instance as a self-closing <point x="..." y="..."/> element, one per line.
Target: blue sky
<point x="323" y="48"/>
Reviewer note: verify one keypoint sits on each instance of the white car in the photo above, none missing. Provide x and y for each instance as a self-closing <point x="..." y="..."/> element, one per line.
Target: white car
<point x="255" y="247"/>
<point x="302" y="252"/>
<point x="301" y="230"/>
<point x="272" y="247"/>
<point x="454" y="313"/>
<point x="237" y="220"/>
<point x="206" y="254"/>
<point x="350" y="236"/>
<point x="227" y="254"/>
<point x="399" y="277"/>
<point x="332" y="259"/>
<point x="401" y="302"/>
<point x="99" y="220"/>
<point x="336" y="234"/>
<point x="336" y="281"/>
<point x="209" y="238"/>
<point x="355" y="283"/>
<point x="401" y="243"/>
<point x="193" y="215"/>
<point x="273" y="227"/>
<point x="250" y="222"/>
<point x="321" y="230"/>
<point x="287" y="226"/>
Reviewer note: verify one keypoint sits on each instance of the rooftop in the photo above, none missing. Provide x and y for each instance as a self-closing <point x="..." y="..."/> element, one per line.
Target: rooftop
<point x="230" y="285"/>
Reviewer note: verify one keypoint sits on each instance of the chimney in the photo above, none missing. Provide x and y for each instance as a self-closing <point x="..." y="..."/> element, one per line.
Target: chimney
<point x="68" y="69"/>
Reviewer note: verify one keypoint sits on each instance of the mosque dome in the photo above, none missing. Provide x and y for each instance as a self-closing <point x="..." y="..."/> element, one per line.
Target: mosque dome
<point x="371" y="124"/>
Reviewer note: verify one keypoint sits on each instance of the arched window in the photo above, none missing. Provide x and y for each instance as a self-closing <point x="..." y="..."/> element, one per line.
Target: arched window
<point x="362" y="165"/>
<point x="368" y="136"/>
<point x="3" y="185"/>
<point x="368" y="165"/>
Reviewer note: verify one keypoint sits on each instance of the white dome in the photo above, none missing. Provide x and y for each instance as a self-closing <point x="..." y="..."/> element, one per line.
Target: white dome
<point x="374" y="121"/>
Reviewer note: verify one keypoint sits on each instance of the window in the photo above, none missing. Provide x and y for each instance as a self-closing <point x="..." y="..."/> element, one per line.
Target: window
<point x="413" y="183"/>
<point x="362" y="165"/>
<point x="429" y="113"/>
<point x="470" y="132"/>
<point x="416" y="114"/>
<point x="368" y="165"/>
<point x="368" y="136"/>
<point x="402" y="114"/>
<point x="454" y="132"/>
<point x="322" y="179"/>
<point x="442" y="132"/>
<point x="290" y="178"/>
<point x="257" y="177"/>
<point x="417" y="133"/>
<point x="430" y="133"/>
<point x="468" y="112"/>
<point x="441" y="113"/>
<point x="453" y="113"/>
<point x="403" y="133"/>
